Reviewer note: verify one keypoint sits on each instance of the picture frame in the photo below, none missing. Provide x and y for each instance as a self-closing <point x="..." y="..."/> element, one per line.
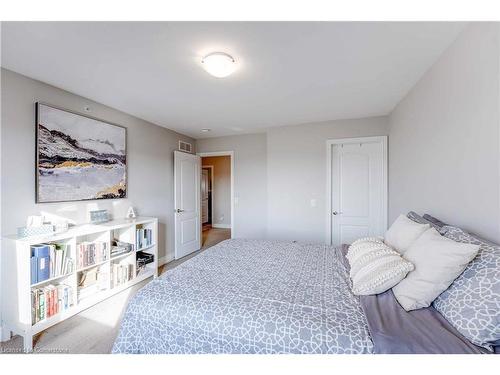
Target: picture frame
<point x="78" y="157"/>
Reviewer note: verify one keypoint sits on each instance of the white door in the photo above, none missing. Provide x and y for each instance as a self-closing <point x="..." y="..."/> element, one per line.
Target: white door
<point x="187" y="203"/>
<point x="204" y="196"/>
<point x="358" y="189"/>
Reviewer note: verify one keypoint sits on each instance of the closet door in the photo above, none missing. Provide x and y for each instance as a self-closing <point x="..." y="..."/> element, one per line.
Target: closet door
<point x="358" y="189"/>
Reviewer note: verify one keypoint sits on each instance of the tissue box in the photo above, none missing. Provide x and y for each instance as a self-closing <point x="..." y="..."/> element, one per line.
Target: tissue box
<point x="35" y="231"/>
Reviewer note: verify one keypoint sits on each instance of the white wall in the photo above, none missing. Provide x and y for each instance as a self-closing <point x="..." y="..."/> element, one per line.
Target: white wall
<point x="221" y="191"/>
<point x="249" y="180"/>
<point x="296" y="174"/>
<point x="444" y="137"/>
<point x="278" y="173"/>
<point x="149" y="156"/>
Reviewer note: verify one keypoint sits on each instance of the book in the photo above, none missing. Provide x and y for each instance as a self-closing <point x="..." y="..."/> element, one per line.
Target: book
<point x="90" y="253"/>
<point x="122" y="273"/>
<point x="50" y="260"/>
<point x="41" y="304"/>
<point x="42" y="253"/>
<point x="34" y="267"/>
<point x="52" y="257"/>
<point x="49" y="301"/>
<point x="143" y="238"/>
<point x="33" y="307"/>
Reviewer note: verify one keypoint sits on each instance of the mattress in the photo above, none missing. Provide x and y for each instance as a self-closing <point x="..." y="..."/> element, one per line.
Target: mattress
<point x="269" y="297"/>
<point x="249" y="296"/>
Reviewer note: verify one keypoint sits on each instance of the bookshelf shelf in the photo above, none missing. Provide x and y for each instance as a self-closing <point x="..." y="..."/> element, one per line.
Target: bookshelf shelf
<point x="146" y="247"/>
<point x="123" y="255"/>
<point x="16" y="273"/>
<point x="92" y="265"/>
<point x="52" y="279"/>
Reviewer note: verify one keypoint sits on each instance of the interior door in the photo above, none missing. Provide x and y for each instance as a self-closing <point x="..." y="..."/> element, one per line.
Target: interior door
<point x="358" y="193"/>
<point x="187" y="203"/>
<point x="204" y="196"/>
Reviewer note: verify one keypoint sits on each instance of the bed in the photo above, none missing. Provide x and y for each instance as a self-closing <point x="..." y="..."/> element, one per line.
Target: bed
<point x="253" y="296"/>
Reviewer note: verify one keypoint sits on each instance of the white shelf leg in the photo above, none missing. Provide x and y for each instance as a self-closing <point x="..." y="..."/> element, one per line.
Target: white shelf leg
<point x="28" y="342"/>
<point x="6" y="334"/>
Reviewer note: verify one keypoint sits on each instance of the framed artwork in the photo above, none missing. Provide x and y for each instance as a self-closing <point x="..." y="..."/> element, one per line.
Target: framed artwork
<point x="78" y="157"/>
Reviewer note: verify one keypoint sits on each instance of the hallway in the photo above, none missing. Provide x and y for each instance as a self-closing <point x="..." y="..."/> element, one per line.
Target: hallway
<point x="213" y="236"/>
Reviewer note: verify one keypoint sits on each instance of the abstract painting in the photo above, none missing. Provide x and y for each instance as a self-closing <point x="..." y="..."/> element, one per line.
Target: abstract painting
<point x="78" y="157"/>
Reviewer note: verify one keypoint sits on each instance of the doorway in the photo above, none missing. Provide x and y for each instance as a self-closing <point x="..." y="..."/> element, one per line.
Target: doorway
<point x="216" y="197"/>
<point x="356" y="188"/>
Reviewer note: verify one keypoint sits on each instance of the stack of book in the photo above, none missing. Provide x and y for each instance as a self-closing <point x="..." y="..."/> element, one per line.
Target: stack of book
<point x="50" y="300"/>
<point x="89" y="253"/>
<point x="121" y="273"/>
<point x="143" y="238"/>
<point x="92" y="281"/>
<point x="50" y="260"/>
<point x="119" y="247"/>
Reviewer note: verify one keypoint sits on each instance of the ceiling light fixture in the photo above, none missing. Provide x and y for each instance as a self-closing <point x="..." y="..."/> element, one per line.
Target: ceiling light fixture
<point x="219" y="64"/>
<point x="205" y="130"/>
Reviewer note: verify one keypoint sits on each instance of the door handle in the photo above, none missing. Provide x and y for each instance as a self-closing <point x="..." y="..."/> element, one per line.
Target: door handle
<point x="179" y="210"/>
<point x="336" y="213"/>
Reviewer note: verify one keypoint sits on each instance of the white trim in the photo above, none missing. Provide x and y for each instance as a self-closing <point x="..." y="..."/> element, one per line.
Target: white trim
<point x="212" y="184"/>
<point x="329" y="144"/>
<point x="221" y="226"/>
<point x="231" y="155"/>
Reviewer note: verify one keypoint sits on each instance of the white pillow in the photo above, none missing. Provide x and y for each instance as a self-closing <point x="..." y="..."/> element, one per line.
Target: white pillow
<point x="375" y="267"/>
<point x="403" y="232"/>
<point x="438" y="262"/>
<point x="359" y="247"/>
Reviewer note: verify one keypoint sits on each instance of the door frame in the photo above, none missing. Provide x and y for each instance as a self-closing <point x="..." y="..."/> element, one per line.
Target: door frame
<point x="231" y="158"/>
<point x="211" y="167"/>
<point x="331" y="142"/>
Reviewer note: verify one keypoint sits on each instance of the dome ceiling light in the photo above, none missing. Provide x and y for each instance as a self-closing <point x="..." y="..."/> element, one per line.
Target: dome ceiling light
<point x="219" y="64"/>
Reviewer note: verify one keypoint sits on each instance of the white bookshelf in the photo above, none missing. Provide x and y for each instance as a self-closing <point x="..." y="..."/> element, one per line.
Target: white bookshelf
<point x="16" y="272"/>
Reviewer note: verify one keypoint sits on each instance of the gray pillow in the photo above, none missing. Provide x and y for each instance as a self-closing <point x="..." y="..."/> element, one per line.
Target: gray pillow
<point x="472" y="303"/>
<point x="436" y="222"/>
<point x="412" y="215"/>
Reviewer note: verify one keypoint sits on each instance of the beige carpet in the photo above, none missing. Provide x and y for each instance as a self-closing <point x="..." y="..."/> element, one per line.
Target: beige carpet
<point x="94" y="330"/>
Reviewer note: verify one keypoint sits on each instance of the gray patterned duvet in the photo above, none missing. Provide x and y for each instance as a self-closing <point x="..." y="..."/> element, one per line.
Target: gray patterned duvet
<point x="249" y="296"/>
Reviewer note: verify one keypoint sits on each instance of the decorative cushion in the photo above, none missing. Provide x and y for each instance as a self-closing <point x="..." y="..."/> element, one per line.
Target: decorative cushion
<point x="361" y="246"/>
<point x="472" y="303"/>
<point x="438" y="261"/>
<point x="412" y="215"/>
<point x="437" y="223"/>
<point x="375" y="267"/>
<point x="403" y="232"/>
<point x="368" y="239"/>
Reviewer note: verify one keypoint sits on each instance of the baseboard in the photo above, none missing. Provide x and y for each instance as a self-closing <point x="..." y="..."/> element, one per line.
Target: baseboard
<point x="164" y="260"/>
<point x="221" y="226"/>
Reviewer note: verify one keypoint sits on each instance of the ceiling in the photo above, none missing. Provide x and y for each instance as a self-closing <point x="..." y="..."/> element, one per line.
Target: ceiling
<point x="288" y="72"/>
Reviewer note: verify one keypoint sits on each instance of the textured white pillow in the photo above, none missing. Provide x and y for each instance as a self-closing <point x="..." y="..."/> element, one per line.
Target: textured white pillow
<point x="438" y="262"/>
<point x="361" y="246"/>
<point x="375" y="267"/>
<point x="403" y="232"/>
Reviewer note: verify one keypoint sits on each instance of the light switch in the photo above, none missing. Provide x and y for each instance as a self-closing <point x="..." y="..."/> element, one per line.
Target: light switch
<point x="313" y="203"/>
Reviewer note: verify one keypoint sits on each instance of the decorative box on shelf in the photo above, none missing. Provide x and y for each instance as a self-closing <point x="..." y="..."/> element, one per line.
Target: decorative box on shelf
<point x="99" y="216"/>
<point x="44" y="229"/>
